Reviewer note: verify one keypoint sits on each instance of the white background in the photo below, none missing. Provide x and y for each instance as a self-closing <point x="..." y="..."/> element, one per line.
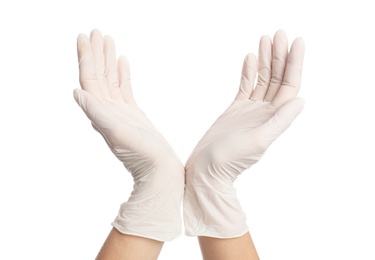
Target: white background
<point x="310" y="197"/>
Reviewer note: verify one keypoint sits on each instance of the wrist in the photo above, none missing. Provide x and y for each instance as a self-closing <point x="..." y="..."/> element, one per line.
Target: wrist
<point x="153" y="208"/>
<point x="211" y="207"/>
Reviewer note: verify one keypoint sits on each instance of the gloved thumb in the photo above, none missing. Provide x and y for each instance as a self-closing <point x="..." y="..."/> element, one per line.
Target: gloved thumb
<point x="87" y="102"/>
<point x="283" y="118"/>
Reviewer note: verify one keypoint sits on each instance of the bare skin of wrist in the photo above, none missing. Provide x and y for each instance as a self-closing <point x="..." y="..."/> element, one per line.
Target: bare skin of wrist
<point x="120" y="246"/>
<point x="239" y="248"/>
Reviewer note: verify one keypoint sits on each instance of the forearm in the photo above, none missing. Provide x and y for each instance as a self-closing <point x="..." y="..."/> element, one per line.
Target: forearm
<point x="120" y="246"/>
<point x="238" y="248"/>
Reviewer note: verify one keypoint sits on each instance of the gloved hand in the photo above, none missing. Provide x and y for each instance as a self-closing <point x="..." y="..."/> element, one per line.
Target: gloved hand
<point x="240" y="136"/>
<point x="153" y="209"/>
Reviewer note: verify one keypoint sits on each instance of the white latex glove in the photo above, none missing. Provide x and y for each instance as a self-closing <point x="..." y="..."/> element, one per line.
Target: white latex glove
<point x="240" y="136"/>
<point x="153" y="209"/>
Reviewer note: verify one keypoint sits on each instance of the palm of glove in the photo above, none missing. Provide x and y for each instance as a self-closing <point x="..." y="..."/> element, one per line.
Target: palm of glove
<point x="129" y="134"/>
<point x="236" y="140"/>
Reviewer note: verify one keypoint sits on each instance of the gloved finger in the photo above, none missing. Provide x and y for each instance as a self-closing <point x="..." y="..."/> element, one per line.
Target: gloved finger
<point x="264" y="69"/>
<point x="293" y="73"/>
<point x="282" y="119"/>
<point x="87" y="72"/>
<point x="279" y="59"/>
<point x="249" y="72"/>
<point x="123" y="70"/>
<point x="96" y="40"/>
<point x="111" y="69"/>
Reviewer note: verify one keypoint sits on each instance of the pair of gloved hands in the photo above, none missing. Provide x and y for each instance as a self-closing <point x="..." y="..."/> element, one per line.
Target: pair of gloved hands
<point x="237" y="140"/>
